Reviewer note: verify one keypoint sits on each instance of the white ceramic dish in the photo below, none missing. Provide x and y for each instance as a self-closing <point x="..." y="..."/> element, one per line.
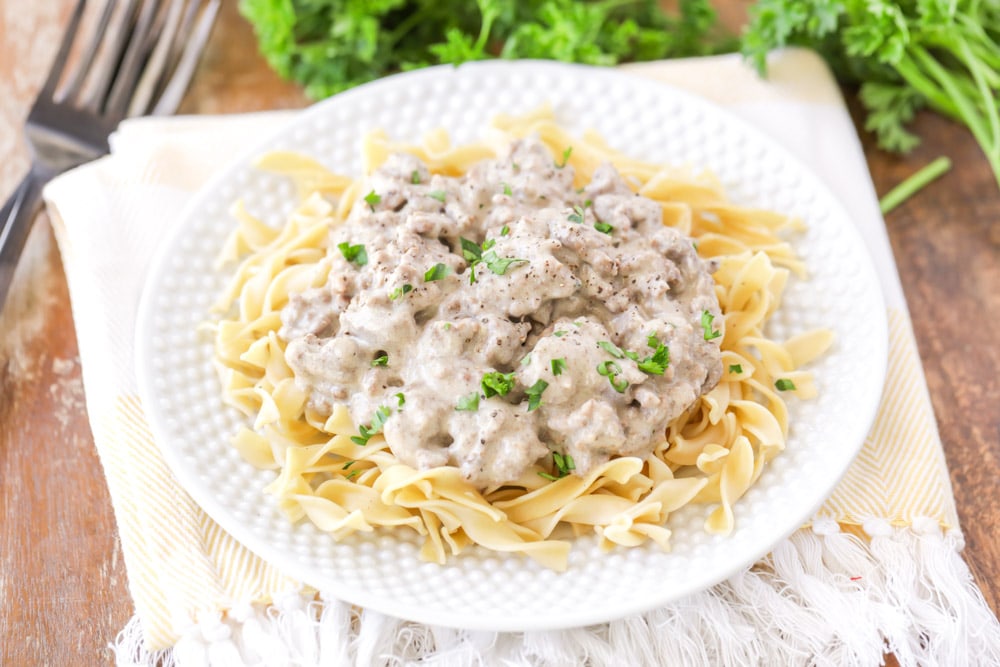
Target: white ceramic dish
<point x="483" y="590"/>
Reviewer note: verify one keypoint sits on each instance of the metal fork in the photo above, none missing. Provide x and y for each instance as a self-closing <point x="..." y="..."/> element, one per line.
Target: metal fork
<point x="139" y="61"/>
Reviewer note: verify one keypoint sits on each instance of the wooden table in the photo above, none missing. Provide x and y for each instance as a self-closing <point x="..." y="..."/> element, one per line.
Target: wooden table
<point x="63" y="586"/>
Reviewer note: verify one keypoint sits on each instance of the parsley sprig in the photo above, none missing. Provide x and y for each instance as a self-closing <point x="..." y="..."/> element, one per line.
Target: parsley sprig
<point x="483" y="254"/>
<point x="353" y="253"/>
<point x="367" y="40"/>
<point x="534" y="393"/>
<point x="365" y="433"/>
<point x="943" y="54"/>
<point x="496" y="383"/>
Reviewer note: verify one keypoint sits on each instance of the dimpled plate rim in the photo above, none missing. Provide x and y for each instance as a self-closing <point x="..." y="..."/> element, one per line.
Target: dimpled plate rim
<point x="482" y="590"/>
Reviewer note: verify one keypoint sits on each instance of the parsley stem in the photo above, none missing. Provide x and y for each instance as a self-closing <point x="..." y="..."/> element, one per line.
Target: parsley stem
<point x="913" y="184"/>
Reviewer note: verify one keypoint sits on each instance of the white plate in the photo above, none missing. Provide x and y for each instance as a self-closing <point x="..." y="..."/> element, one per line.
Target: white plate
<point x="480" y="589"/>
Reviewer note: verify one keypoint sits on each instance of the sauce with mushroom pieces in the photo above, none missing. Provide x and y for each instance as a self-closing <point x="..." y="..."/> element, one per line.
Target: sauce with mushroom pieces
<point x="582" y="311"/>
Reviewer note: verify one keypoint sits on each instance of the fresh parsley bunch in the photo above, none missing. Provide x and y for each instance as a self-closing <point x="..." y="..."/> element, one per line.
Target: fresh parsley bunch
<point x="943" y="54"/>
<point x="331" y="45"/>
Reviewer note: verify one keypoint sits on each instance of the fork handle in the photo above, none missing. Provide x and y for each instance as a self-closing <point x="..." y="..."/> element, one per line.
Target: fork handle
<point x="16" y="218"/>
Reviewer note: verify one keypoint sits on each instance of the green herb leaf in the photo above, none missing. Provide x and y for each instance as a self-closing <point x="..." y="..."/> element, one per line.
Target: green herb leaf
<point x="372" y="198"/>
<point x="611" y="349"/>
<point x="563" y="463"/>
<point x="353" y="253"/>
<point x="611" y="370"/>
<point x="565" y="157"/>
<point x="405" y="288"/>
<point x="559" y="334"/>
<point x="545" y="475"/>
<point x="576" y="216"/>
<point x="438" y="194"/>
<point x="603" y="227"/>
<point x="366" y="432"/>
<point x="352" y="474"/>
<point x="534" y="393"/>
<point x="736" y="369"/>
<point x="470" y="250"/>
<point x="382" y="360"/>
<point x="706" y="325"/>
<point x="505" y="230"/>
<point x="506" y="189"/>
<point x="784" y="384"/>
<point x="400" y="399"/>
<point x="497" y="384"/>
<point x="436" y="272"/>
<point x="415" y="177"/>
<point x="468" y="403"/>
<point x="526" y="360"/>
<point x="558" y="366"/>
<point x="499" y="265"/>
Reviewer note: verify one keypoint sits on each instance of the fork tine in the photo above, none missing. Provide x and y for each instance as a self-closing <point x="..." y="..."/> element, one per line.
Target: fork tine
<point x="156" y="66"/>
<point x="59" y="64"/>
<point x="132" y="61"/>
<point x="83" y="66"/>
<point x="111" y="57"/>
<point x="174" y="92"/>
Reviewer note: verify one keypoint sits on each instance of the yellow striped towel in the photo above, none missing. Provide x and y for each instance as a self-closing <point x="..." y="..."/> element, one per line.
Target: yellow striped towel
<point x="202" y="595"/>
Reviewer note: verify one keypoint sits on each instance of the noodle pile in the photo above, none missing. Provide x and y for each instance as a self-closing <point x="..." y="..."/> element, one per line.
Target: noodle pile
<point x="712" y="454"/>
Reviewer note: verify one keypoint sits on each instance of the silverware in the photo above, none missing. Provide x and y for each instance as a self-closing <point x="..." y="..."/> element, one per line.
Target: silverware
<point x="139" y="60"/>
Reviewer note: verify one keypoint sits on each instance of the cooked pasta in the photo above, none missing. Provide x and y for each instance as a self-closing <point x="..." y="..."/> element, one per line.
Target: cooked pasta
<point x="712" y="454"/>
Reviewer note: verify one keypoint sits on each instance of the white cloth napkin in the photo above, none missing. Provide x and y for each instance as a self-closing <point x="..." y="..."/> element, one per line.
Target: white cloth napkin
<point x="215" y="603"/>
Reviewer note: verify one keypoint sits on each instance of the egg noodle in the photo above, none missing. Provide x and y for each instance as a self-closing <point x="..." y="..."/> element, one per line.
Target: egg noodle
<point x="710" y="455"/>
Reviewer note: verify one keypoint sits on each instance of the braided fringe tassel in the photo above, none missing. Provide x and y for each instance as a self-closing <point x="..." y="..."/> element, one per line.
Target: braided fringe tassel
<point x="822" y="597"/>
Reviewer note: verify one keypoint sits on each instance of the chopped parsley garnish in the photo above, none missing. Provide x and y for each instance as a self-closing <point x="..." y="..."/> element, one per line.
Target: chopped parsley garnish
<point x="372" y="198"/>
<point x="471" y="250"/>
<point x="400" y="399"/>
<point x="656" y="364"/>
<point x="611" y="370"/>
<point x="506" y="189"/>
<point x="735" y="368"/>
<point x="576" y="216"/>
<point x="564" y="463"/>
<point x="436" y="272"/>
<point x="437" y="194"/>
<point x="415" y="177"/>
<point x="352" y="474"/>
<point x="505" y="230"/>
<point x="348" y="465"/>
<point x="497" y="384"/>
<point x="469" y="403"/>
<point x="382" y="414"/>
<point x="406" y="288"/>
<point x="558" y="366"/>
<point x="603" y="227"/>
<point x="499" y="265"/>
<point x="534" y="393"/>
<point x="353" y="253"/>
<point x="382" y="360"/>
<point x="611" y="349"/>
<point x="784" y="384"/>
<point x="706" y="324"/>
<point x="565" y="157"/>
<point x="474" y="254"/>
<point x="526" y="360"/>
<point x="545" y="475"/>
<point x="559" y="334"/>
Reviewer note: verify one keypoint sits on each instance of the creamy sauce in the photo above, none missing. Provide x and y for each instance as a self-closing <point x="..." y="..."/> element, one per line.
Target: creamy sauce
<point x="596" y="275"/>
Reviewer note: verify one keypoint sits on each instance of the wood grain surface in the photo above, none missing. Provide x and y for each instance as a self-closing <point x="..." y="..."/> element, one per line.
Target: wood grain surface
<point x="63" y="588"/>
